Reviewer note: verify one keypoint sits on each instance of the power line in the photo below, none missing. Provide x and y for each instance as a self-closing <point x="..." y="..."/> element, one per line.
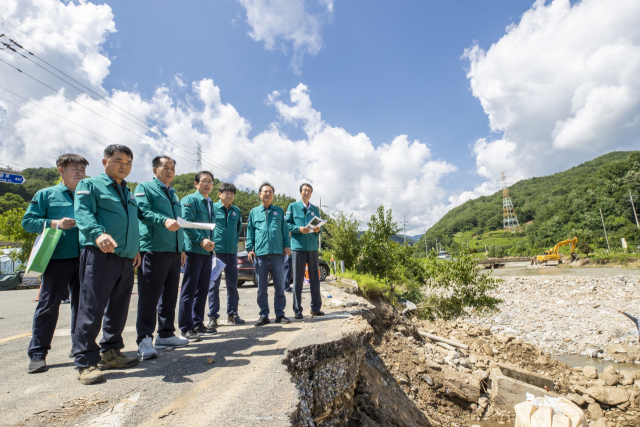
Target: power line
<point x="146" y="126"/>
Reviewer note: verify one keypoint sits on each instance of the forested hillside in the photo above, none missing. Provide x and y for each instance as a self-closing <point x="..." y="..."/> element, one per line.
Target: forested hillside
<point x="552" y="208"/>
<point x="17" y="196"/>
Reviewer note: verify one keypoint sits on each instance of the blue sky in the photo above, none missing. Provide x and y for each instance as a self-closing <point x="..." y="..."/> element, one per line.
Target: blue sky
<point x="385" y="68"/>
<point x="414" y="105"/>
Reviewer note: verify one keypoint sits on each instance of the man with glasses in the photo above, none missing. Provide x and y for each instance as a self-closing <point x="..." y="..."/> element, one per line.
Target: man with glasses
<point x="197" y="207"/>
<point x="53" y="207"/>
<point x="162" y="253"/>
<point x="225" y="237"/>
<point x="267" y="244"/>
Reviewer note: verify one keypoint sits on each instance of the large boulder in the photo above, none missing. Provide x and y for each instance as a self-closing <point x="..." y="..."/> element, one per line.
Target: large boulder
<point x="611" y="396"/>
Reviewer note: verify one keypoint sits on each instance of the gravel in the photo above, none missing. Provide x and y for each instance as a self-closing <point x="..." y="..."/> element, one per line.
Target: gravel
<point x="567" y="314"/>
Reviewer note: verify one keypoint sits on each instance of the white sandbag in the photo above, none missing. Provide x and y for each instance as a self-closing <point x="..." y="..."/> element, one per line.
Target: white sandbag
<point x="549" y="412"/>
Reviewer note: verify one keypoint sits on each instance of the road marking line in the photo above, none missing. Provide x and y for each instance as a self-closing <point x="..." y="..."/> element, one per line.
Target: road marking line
<point x="15" y="337"/>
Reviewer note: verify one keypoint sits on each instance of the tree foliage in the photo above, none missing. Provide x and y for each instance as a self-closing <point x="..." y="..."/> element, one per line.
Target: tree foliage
<point x="376" y="247"/>
<point x="555" y="207"/>
<point x="341" y="235"/>
<point x="11" y="230"/>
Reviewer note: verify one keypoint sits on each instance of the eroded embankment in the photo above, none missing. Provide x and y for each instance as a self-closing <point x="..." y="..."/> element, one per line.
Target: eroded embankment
<point x="382" y="372"/>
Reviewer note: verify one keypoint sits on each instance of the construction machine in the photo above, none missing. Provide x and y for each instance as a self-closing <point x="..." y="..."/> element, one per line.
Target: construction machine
<point x="553" y="254"/>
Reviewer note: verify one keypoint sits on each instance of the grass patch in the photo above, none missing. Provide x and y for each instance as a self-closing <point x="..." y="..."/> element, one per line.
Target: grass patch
<point x="370" y="286"/>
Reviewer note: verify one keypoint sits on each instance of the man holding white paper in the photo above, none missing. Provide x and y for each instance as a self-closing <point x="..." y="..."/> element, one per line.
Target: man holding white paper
<point x="197" y="207"/>
<point x="53" y="207"/>
<point x="304" y="246"/>
<point x="162" y="254"/>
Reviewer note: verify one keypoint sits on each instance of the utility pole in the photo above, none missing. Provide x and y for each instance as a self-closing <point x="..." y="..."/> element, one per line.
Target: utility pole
<point x="320" y="206"/>
<point x="605" y="231"/>
<point x="634" y="209"/>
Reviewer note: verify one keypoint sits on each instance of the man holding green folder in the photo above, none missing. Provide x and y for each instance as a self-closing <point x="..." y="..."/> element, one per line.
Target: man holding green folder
<point x="53" y="207"/>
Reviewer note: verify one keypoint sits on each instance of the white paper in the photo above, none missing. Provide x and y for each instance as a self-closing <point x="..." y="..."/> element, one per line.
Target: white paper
<point x="200" y="225"/>
<point x="316" y="221"/>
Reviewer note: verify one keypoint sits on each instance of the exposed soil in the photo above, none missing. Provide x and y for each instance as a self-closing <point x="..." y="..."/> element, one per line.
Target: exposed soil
<point x="450" y="387"/>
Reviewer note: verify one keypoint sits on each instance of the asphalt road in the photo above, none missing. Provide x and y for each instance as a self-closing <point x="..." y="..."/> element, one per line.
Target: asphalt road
<point x="246" y="385"/>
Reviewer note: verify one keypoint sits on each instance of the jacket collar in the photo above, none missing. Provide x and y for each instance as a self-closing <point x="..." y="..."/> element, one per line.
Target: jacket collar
<point x="161" y="185"/>
<point x="107" y="180"/>
<point x="199" y="196"/>
<point x="303" y="205"/>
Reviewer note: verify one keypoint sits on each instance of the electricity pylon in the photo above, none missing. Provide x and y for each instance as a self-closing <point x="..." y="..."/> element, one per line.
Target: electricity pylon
<point x="509" y="218"/>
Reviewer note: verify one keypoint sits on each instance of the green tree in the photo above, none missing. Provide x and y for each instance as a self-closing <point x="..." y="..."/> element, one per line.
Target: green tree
<point x="11" y="229"/>
<point x="341" y="235"/>
<point x="283" y="201"/>
<point x="376" y="247"/>
<point x="459" y="286"/>
<point x="12" y="201"/>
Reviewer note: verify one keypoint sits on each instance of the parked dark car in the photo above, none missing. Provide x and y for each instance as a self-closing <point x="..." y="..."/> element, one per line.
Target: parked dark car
<point x="246" y="272"/>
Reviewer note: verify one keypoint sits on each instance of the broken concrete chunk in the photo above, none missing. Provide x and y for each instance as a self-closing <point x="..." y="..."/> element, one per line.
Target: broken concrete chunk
<point x="608" y="395"/>
<point x="577" y="399"/>
<point x="590" y="372"/>
<point x="402" y="379"/>
<point x="503" y="338"/>
<point x="483" y="375"/>
<point x="487" y="350"/>
<point x="602" y="422"/>
<point x="595" y="411"/>
<point x="610" y="370"/>
<point x="609" y="379"/>
<point x="427" y="379"/>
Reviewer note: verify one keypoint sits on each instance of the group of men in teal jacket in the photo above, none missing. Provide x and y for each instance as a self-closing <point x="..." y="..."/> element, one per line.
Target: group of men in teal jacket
<point x="109" y="231"/>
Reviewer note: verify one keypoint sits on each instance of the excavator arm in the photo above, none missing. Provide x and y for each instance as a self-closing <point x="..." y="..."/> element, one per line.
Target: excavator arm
<point x="553" y="254"/>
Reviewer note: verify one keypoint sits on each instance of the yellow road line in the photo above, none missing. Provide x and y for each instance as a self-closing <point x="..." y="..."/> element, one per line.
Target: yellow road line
<point x="15" y="337"/>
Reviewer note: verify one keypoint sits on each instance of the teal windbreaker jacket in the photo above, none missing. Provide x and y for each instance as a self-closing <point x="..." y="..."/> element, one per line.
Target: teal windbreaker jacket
<point x="194" y="209"/>
<point x="267" y="231"/>
<point x="298" y="216"/>
<point x="228" y="228"/>
<point x="50" y="204"/>
<point x="103" y="206"/>
<point x="157" y="204"/>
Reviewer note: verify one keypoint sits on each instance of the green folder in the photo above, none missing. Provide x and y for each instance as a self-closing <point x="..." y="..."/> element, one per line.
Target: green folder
<point x="42" y="250"/>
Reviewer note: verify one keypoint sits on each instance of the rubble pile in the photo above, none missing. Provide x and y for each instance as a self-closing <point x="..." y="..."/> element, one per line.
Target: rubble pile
<point x="453" y="386"/>
<point x="569" y="315"/>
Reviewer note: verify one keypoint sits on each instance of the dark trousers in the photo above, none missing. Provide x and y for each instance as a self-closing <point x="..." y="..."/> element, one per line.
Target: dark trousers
<point x="59" y="280"/>
<point x="106" y="281"/>
<point x="300" y="260"/>
<point x="288" y="273"/>
<point x="231" y="279"/>
<point x="158" y="282"/>
<point x="263" y="265"/>
<point x="195" y="285"/>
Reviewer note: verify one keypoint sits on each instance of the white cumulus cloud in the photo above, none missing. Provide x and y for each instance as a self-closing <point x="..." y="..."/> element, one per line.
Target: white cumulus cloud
<point x="348" y="171"/>
<point x="288" y="25"/>
<point x="562" y="86"/>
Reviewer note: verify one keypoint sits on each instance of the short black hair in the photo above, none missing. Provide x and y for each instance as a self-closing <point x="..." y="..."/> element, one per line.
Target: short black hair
<point x="305" y="184"/>
<point x="67" y="158"/>
<point x="199" y="175"/>
<point x="156" y="161"/>
<point x="265" y="184"/>
<point x="227" y="186"/>
<point x="114" y="148"/>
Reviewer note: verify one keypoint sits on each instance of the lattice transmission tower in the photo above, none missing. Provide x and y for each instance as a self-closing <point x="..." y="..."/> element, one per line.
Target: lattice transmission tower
<point x="509" y="218"/>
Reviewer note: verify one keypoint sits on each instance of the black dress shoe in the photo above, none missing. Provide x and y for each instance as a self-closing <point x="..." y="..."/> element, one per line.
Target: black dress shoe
<point x="317" y="313"/>
<point x="282" y="319"/>
<point x="234" y="319"/>
<point x="192" y="336"/>
<point x="298" y="316"/>
<point x="37" y="364"/>
<point x="201" y="330"/>
<point x="262" y="321"/>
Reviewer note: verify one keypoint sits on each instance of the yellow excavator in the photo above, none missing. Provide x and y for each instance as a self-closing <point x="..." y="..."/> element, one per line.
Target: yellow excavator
<point x="553" y="253"/>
